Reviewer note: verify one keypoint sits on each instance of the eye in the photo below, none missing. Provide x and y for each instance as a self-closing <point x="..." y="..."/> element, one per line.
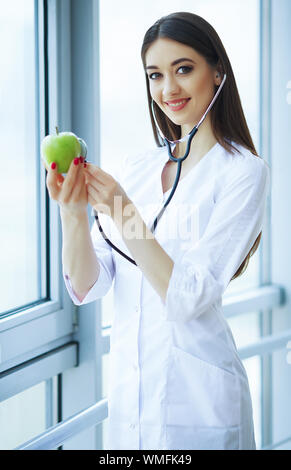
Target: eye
<point x="151" y="76"/>
<point x="187" y="70"/>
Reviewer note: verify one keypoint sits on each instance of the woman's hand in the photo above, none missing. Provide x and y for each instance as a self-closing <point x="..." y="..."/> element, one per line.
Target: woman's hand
<point x="70" y="192"/>
<point x="104" y="193"/>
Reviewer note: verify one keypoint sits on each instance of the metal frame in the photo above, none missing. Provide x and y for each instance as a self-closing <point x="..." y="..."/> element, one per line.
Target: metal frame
<point x="17" y="343"/>
<point x="266" y="249"/>
<point x="261" y="298"/>
<point x="38" y="369"/>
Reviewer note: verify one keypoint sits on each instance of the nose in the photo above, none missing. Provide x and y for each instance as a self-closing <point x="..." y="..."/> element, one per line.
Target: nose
<point x="170" y="87"/>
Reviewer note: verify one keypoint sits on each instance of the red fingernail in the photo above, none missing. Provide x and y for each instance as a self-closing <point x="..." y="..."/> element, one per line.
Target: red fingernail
<point x="76" y="161"/>
<point x="82" y="159"/>
<point x="85" y="165"/>
<point x="53" y="166"/>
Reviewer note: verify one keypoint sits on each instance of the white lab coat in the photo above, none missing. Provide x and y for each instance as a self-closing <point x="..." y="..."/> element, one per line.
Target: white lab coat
<point x="176" y="380"/>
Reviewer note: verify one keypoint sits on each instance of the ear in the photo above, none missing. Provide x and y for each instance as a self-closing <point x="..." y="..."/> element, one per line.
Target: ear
<point x="217" y="77"/>
<point x="218" y="74"/>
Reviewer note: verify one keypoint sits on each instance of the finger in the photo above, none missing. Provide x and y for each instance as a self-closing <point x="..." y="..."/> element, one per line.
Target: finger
<point x="84" y="190"/>
<point x="91" y="200"/>
<point x="95" y="186"/>
<point x="79" y="189"/>
<point x="97" y="173"/>
<point x="52" y="182"/>
<point x="99" y="206"/>
<point x="71" y="179"/>
<point x="45" y="164"/>
<point x="59" y="176"/>
<point x="93" y="192"/>
<point x="94" y="181"/>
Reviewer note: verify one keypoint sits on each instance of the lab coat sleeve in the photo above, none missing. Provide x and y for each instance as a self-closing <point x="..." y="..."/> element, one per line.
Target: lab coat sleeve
<point x="103" y="251"/>
<point x="204" y="271"/>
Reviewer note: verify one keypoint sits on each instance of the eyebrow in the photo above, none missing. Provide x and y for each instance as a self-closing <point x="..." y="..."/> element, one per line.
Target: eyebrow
<point x="177" y="61"/>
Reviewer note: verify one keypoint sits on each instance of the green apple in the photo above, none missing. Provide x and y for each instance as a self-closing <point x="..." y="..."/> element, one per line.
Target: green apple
<point x="61" y="148"/>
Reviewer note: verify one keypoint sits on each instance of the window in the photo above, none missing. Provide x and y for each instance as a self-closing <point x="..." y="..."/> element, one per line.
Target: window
<point x="19" y="206"/>
<point x="36" y="317"/>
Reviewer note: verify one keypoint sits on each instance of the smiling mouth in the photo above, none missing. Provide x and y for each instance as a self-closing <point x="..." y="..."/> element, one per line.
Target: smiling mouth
<point x="179" y="104"/>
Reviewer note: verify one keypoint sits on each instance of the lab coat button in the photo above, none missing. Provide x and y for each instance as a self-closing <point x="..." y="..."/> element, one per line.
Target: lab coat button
<point x="132" y="426"/>
<point x="137" y="309"/>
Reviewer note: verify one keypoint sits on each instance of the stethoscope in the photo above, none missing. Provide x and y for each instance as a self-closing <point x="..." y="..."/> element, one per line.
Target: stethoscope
<point x="179" y="161"/>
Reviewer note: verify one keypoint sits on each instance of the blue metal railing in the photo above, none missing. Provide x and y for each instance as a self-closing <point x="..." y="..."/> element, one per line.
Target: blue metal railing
<point x="60" y="433"/>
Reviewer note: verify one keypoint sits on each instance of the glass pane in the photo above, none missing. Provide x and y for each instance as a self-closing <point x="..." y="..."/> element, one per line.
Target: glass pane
<point x="245" y="328"/>
<point x="280" y="408"/>
<point x="105" y="370"/>
<point x="285" y="446"/>
<point x="254" y="373"/>
<point x="250" y="279"/>
<point x="18" y="203"/>
<point x="22" y="417"/>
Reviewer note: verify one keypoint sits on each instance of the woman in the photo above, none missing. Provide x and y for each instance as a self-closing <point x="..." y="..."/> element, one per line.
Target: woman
<point x="176" y="380"/>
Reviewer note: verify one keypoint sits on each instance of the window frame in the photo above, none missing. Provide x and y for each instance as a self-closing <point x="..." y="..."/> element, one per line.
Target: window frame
<point x="22" y="352"/>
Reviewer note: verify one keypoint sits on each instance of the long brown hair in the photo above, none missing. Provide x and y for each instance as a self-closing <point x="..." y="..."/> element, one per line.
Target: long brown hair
<point x="227" y="117"/>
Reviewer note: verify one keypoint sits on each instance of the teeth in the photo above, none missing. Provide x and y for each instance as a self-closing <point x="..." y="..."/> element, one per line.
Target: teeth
<point x="177" y="104"/>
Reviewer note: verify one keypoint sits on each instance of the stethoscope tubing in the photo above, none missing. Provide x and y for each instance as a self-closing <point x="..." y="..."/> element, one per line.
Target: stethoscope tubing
<point x="155" y="223"/>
